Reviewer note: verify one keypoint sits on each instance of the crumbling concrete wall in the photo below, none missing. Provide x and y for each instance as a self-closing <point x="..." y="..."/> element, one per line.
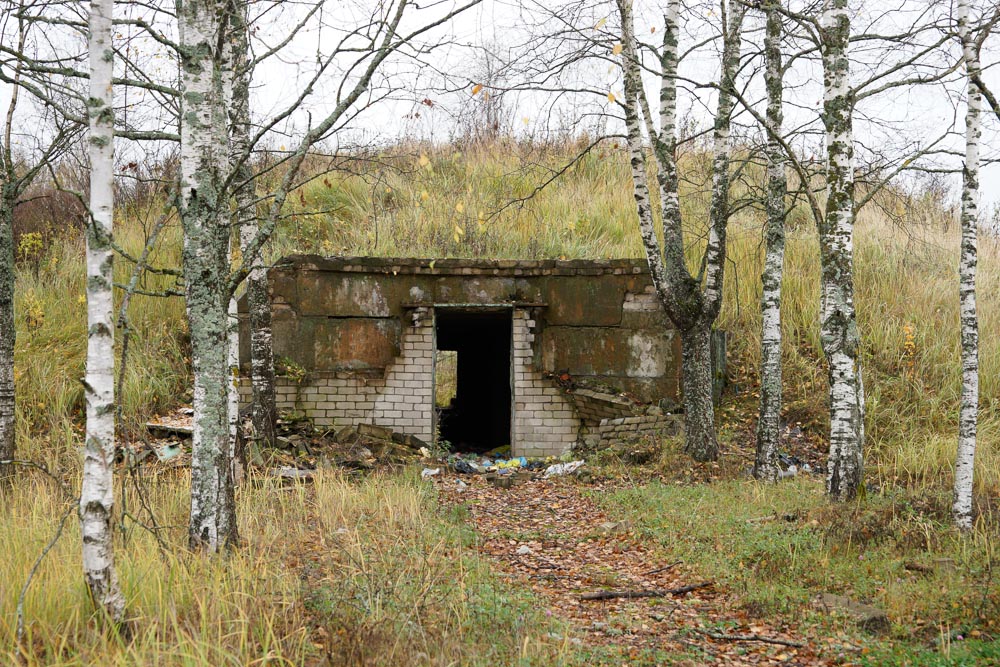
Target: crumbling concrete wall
<point x="356" y="336"/>
<point x="401" y="398"/>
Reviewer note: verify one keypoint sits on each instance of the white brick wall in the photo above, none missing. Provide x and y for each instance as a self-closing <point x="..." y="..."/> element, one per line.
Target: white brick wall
<point x="545" y="419"/>
<point x="402" y="400"/>
<point x="545" y="422"/>
<point x="644" y="302"/>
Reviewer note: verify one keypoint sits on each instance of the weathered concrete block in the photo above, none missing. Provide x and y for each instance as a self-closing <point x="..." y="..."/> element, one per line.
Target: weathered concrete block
<point x="355" y="343"/>
<point x="584" y="301"/>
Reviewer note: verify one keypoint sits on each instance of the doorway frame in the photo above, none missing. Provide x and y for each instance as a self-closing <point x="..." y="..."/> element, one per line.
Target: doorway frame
<point x="507" y="308"/>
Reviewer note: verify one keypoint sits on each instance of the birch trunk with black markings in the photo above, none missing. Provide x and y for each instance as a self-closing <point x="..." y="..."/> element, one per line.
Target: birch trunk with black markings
<point x="769" y="420"/>
<point x="969" y="410"/>
<point x="8" y="332"/>
<point x="264" y="411"/>
<point x="692" y="302"/>
<point x="839" y="328"/>
<point x="97" y="485"/>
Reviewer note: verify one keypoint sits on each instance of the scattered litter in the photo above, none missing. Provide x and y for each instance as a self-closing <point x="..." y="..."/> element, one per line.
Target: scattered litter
<point x="558" y="469"/>
<point x="460" y="485"/>
<point x="424" y="452"/>
<point x="427" y="473"/>
<point x="523" y="551"/>
<point x="792" y="471"/>
<point x="478" y="465"/>
<point x="466" y="467"/>
<point x="168" y="451"/>
<point x="512" y="464"/>
<point x="293" y="474"/>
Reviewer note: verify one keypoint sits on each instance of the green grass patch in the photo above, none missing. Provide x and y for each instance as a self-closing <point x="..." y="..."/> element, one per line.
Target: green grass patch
<point x="777" y="547"/>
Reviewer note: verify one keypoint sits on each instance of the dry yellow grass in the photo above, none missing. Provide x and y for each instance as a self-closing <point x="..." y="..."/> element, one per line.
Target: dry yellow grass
<point x="338" y="573"/>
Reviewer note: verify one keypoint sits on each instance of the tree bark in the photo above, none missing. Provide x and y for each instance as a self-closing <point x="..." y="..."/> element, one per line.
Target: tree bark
<point x="696" y="368"/>
<point x="969" y="410"/>
<point x="10" y="191"/>
<point x="769" y="420"/>
<point x="8" y="333"/>
<point x="205" y="217"/>
<point x="839" y="330"/>
<point x="97" y="487"/>
<point x="264" y="410"/>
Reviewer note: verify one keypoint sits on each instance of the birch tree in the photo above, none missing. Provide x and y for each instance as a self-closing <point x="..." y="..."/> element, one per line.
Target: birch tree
<point x="692" y="301"/>
<point x="211" y="174"/>
<point x="10" y="191"/>
<point x="97" y="487"/>
<point x="262" y="378"/>
<point x="204" y="217"/>
<point x="969" y="408"/>
<point x="769" y="421"/>
<point x="838" y="326"/>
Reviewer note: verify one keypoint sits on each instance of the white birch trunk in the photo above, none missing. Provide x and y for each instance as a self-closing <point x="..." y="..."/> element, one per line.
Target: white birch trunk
<point x="205" y="219"/>
<point x="969" y="411"/>
<point x="839" y="330"/>
<point x="233" y="323"/>
<point x="233" y="353"/>
<point x="97" y="487"/>
<point x="769" y="420"/>
<point x="262" y="379"/>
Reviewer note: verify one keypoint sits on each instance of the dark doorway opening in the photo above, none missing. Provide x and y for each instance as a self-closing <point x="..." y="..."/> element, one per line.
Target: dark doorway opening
<point x="477" y="416"/>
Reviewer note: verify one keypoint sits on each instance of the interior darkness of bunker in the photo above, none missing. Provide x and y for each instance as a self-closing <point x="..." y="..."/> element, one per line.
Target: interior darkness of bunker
<point x="478" y="417"/>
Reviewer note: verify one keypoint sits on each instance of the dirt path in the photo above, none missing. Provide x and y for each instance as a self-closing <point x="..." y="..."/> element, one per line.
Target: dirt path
<point x="549" y="537"/>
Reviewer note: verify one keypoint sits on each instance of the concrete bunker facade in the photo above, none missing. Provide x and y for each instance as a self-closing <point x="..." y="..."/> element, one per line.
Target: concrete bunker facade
<point x="544" y="354"/>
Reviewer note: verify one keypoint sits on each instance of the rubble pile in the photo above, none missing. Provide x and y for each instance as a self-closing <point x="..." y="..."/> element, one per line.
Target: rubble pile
<point x="361" y="447"/>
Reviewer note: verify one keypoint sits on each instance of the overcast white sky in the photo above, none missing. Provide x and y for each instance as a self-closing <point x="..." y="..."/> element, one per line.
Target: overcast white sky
<point x="907" y="116"/>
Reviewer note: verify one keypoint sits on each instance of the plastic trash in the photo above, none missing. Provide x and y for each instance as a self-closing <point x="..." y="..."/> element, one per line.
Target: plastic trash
<point x="427" y="473"/>
<point x="460" y="485"/>
<point x="168" y="451"/>
<point x="512" y="464"/>
<point x="465" y="467"/>
<point x="792" y="471"/>
<point x="558" y="469"/>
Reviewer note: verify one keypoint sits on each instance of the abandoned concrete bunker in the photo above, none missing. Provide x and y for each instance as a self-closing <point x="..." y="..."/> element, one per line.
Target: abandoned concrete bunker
<point x="540" y="354"/>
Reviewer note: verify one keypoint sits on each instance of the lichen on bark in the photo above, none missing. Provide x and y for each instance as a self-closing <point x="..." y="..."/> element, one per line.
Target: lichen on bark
<point x="204" y="214"/>
<point x="838" y="329"/>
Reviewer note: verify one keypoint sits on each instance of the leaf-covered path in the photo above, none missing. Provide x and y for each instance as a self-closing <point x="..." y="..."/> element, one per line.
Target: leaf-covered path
<point x="550" y="537"/>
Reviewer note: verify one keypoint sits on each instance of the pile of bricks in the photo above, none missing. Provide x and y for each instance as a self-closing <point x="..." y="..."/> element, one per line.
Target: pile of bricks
<point x="624" y="429"/>
<point x="594" y="406"/>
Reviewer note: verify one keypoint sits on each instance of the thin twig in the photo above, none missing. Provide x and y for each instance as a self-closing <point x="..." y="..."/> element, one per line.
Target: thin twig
<point x="750" y="638"/>
<point x="653" y="593"/>
<point x="663" y="569"/>
<point x="34" y="569"/>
